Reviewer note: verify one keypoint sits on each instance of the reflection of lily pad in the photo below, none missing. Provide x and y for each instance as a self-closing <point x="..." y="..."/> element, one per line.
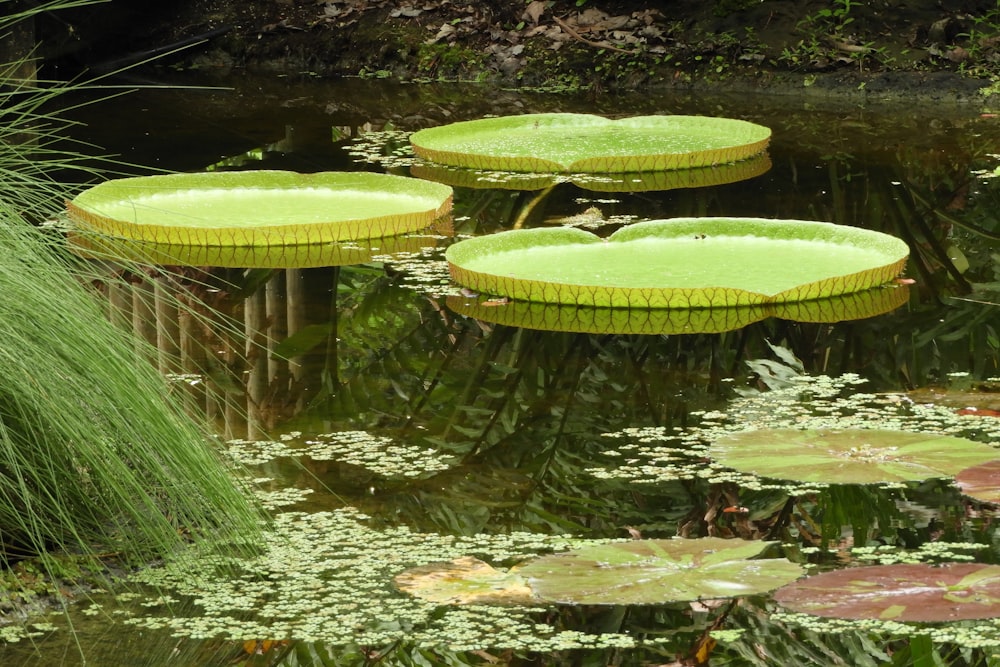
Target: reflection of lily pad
<point x="248" y="257"/>
<point x="679" y="263"/>
<point x="465" y="580"/>
<point x="646" y="181"/>
<point x="848" y="456"/>
<point x="585" y="319"/>
<point x="981" y="482"/>
<point x="657" y="572"/>
<point x="566" y="142"/>
<point x="259" y="208"/>
<point x="902" y="592"/>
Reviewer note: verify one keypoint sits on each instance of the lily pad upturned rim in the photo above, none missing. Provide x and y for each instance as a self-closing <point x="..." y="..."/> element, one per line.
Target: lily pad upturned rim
<point x="465" y="260"/>
<point x="643" y="181"/>
<point x="664" y="321"/>
<point x="420" y="203"/>
<point x="468" y="143"/>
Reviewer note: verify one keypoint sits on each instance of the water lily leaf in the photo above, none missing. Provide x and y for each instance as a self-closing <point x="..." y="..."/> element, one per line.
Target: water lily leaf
<point x="848" y="456"/>
<point x="247" y="257"/>
<point x="260" y="208"/>
<point x="981" y="482"/>
<point x="567" y="142"/>
<point x="465" y="580"/>
<point x="658" y="572"/>
<point x="646" y="181"/>
<point x="901" y="592"/>
<point x="679" y="263"/>
<point x="658" y="321"/>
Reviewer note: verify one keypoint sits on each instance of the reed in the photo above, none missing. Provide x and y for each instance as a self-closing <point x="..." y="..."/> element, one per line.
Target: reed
<point x="97" y="455"/>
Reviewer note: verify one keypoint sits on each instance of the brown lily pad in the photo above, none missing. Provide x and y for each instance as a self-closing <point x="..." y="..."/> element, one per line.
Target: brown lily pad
<point x="981" y="482"/>
<point x="901" y="592"/>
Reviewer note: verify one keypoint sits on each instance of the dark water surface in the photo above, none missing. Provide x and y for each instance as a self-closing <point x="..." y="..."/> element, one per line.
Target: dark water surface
<point x="518" y="413"/>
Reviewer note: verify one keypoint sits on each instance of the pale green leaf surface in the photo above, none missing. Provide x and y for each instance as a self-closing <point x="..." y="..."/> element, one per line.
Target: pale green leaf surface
<point x="680" y="263"/>
<point x="657" y="572"/>
<point x="258" y="208"/>
<point x="849" y="456"/>
<point x="566" y="142"/>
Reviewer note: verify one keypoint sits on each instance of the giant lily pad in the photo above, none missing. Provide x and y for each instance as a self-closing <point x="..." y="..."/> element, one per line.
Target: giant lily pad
<point x="248" y="257"/>
<point x="645" y="181"/>
<point x="260" y="208"/>
<point x="849" y="456"/>
<point x="902" y="592"/>
<point x="566" y="142"/>
<point x="679" y="263"/>
<point x="658" y="572"/>
<point x="659" y="321"/>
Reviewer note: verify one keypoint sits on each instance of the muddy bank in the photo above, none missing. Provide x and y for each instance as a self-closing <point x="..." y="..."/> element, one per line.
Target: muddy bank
<point x="888" y="49"/>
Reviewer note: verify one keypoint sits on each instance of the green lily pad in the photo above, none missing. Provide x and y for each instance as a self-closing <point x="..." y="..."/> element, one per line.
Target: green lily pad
<point x="981" y="482"/>
<point x="465" y="580"/>
<point x="848" y="456"/>
<point x="901" y="592"/>
<point x="584" y="143"/>
<point x="247" y="257"/>
<point x="646" y="181"/>
<point x="679" y="263"/>
<point x="659" y="321"/>
<point x="260" y="208"/>
<point x="657" y="572"/>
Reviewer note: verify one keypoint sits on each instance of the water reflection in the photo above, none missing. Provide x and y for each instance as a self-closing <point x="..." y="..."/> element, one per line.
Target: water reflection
<point x="520" y="413"/>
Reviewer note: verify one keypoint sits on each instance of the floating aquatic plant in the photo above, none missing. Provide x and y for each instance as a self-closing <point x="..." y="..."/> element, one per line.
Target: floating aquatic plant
<point x="299" y="256"/>
<point x="645" y="181"/>
<point x="586" y="319"/>
<point x="658" y="571"/>
<point x="679" y="263"/>
<point x="326" y="577"/>
<point x="902" y="592"/>
<point x="981" y="482"/>
<point x="630" y="572"/>
<point x="566" y="142"/>
<point x="259" y="208"/>
<point x="657" y="454"/>
<point x="848" y="456"/>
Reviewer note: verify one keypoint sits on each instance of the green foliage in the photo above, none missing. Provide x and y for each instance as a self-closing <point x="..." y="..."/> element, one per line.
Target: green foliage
<point x="96" y="452"/>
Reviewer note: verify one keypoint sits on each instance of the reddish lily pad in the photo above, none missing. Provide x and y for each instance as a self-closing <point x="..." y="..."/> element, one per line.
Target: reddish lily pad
<point x="568" y="142"/>
<point x="981" y="482"/>
<point x="643" y="572"/>
<point x="901" y="592"/>
<point x="679" y="263"/>
<point x="849" y="456"/>
<point x="259" y="208"/>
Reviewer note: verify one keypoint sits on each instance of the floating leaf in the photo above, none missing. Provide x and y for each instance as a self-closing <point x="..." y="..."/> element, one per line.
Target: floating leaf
<point x="658" y="572"/>
<point x="260" y="208"/>
<point x="248" y="257"/>
<point x="646" y="181"/>
<point x="567" y="142"/>
<point x="465" y="580"/>
<point x="848" y="456"/>
<point x="658" y="321"/>
<point x="981" y="481"/>
<point x="679" y="263"/>
<point x="901" y="592"/>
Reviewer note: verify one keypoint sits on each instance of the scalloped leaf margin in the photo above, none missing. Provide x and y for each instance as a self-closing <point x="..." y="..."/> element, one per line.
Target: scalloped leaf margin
<point x="680" y="263"/>
<point x="260" y="208"/>
<point x="586" y="143"/>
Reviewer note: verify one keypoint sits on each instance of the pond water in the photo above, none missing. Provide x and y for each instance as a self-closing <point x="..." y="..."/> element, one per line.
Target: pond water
<point x="418" y="426"/>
